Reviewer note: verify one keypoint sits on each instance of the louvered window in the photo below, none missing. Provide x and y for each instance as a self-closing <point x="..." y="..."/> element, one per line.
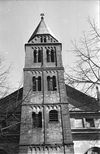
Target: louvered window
<point x="53" y="115"/>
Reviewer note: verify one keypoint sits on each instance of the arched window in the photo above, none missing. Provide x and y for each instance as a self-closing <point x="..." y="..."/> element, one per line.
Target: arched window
<point x="37" y="120"/>
<point x="51" y="83"/>
<point x="36" y="83"/>
<point x="34" y="119"/>
<point x="35" y="56"/>
<point x="39" y="56"/>
<point x="52" y="56"/>
<point x="54" y="83"/>
<point x="41" y="39"/>
<point x="40" y="119"/>
<point x="53" y="116"/>
<point x="48" y="56"/>
<point x="39" y="83"/>
<point x="45" y="40"/>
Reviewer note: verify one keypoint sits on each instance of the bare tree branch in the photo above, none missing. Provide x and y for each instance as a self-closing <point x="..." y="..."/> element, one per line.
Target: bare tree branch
<point x="86" y="72"/>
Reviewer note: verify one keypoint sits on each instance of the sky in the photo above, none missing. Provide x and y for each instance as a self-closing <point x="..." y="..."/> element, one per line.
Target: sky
<point x="67" y="19"/>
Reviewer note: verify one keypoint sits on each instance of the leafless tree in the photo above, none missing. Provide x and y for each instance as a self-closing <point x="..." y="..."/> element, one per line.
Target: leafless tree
<point x="85" y="75"/>
<point x="4" y="71"/>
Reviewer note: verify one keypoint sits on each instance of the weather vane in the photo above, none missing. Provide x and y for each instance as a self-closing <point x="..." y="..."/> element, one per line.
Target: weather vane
<point x="42" y="15"/>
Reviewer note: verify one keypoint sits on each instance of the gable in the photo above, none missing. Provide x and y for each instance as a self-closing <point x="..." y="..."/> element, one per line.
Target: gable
<point x="43" y="38"/>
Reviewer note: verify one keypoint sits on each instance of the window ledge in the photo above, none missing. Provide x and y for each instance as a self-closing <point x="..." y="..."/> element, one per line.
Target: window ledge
<point x="52" y="122"/>
<point x="85" y="129"/>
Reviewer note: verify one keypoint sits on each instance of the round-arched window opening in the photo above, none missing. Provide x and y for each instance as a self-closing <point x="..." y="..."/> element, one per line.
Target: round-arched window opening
<point x="53" y="116"/>
<point x="2" y="151"/>
<point x="93" y="150"/>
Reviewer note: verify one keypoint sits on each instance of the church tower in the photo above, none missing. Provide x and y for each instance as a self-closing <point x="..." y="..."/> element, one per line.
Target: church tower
<point x="45" y="122"/>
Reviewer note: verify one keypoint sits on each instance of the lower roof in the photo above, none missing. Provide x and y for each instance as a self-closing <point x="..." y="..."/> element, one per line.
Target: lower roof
<point x="77" y="100"/>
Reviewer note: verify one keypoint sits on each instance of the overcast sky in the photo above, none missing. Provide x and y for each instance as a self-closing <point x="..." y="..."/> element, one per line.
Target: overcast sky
<point x="67" y="19"/>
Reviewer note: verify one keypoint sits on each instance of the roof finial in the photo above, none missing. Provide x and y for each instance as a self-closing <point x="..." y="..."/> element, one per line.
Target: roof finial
<point x="42" y="15"/>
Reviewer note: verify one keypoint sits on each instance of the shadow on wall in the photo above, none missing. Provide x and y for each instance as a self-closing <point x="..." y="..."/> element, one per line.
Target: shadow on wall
<point x="93" y="150"/>
<point x="2" y="152"/>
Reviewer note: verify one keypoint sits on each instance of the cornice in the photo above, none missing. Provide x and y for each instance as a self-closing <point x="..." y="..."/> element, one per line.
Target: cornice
<point x="42" y="44"/>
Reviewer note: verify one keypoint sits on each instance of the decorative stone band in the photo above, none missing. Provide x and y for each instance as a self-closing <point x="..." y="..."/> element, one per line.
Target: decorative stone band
<point x="53" y="106"/>
<point x="43" y="69"/>
<point x="49" y="149"/>
<point x="39" y="108"/>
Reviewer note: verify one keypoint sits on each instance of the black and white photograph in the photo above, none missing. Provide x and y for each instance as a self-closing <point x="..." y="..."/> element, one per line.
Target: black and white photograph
<point x="49" y="76"/>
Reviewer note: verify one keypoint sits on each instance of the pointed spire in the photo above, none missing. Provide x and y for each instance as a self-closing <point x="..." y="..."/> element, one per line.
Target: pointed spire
<point x="41" y="28"/>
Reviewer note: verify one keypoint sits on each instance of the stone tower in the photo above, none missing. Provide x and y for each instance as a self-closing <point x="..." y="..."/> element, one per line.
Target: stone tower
<point x="45" y="122"/>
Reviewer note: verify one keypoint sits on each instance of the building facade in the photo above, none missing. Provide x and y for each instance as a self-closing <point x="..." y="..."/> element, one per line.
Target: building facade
<point x="46" y="116"/>
<point x="85" y="121"/>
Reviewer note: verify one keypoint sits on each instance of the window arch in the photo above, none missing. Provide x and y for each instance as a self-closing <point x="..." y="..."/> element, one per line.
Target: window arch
<point x="36" y="83"/>
<point x="37" y="56"/>
<point x="53" y="116"/>
<point x="37" y="120"/>
<point x="51" y="55"/>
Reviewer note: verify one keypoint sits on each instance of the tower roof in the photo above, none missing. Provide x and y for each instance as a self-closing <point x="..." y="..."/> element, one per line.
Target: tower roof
<point x="40" y="29"/>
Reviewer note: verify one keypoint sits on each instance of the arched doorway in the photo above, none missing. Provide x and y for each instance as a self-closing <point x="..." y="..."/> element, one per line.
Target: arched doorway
<point x="2" y="152"/>
<point x="93" y="150"/>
